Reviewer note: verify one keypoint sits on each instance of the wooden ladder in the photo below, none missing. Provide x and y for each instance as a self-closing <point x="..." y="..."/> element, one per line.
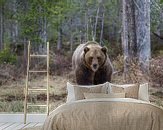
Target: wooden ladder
<point x="36" y="89"/>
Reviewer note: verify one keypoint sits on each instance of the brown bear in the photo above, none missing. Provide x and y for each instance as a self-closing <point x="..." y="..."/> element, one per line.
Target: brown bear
<point x="91" y="64"/>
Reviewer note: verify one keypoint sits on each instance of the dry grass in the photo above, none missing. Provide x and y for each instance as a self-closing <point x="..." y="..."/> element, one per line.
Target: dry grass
<point x="12" y="96"/>
<point x="156" y="95"/>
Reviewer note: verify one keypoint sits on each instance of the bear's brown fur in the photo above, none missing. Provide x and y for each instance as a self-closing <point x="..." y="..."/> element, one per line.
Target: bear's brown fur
<point x="91" y="64"/>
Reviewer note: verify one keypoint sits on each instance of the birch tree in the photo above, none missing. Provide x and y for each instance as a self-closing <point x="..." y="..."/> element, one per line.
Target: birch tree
<point x="136" y="39"/>
<point x="14" y="22"/>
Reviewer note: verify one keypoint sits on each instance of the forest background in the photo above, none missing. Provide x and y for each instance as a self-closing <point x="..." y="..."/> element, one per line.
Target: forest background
<point x="66" y="24"/>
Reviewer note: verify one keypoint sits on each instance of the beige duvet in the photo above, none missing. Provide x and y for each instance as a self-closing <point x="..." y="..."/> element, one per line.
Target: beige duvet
<point x="106" y="114"/>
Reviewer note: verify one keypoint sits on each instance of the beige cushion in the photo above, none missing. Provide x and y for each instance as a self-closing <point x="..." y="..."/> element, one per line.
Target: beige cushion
<point x="101" y="95"/>
<point x="79" y="91"/>
<point x="131" y="90"/>
<point x="76" y="92"/>
<point x="143" y="92"/>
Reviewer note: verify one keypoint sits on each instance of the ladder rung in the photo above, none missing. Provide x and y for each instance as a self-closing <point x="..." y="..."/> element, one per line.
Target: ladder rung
<point x="34" y="105"/>
<point x="38" y="71"/>
<point x="38" y="55"/>
<point x="37" y="89"/>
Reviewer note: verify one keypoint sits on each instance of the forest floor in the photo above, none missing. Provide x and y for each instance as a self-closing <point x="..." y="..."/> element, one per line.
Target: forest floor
<point x="12" y="92"/>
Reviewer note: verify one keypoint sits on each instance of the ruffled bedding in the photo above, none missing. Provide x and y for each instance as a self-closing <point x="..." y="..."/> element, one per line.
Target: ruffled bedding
<point x="105" y="114"/>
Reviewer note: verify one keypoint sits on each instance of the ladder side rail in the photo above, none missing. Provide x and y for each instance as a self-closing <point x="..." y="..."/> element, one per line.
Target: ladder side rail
<point x="26" y="87"/>
<point x="47" y="78"/>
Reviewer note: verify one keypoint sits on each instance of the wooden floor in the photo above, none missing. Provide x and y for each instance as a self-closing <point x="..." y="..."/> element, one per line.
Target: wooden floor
<point x="17" y="126"/>
<point x="15" y="121"/>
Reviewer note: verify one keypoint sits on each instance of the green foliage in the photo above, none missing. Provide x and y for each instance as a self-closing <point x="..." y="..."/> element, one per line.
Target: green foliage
<point x="32" y="15"/>
<point x="7" y="57"/>
<point x="156" y="19"/>
<point x="29" y="19"/>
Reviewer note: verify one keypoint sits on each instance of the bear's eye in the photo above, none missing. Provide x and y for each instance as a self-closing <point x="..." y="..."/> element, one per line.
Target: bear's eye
<point x="99" y="58"/>
<point x="90" y="58"/>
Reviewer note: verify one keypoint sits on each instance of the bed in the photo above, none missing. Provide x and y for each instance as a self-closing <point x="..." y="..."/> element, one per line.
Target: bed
<point x="106" y="107"/>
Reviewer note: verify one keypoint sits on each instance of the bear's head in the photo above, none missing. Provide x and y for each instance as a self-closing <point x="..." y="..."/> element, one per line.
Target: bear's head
<point x="95" y="57"/>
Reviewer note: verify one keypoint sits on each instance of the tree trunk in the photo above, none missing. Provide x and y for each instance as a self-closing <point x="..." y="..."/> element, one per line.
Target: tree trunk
<point x="14" y="24"/>
<point x="136" y="39"/>
<point x="102" y="25"/>
<point x="71" y="42"/>
<point x="143" y="33"/>
<point x="59" y="43"/>
<point x="43" y="27"/>
<point x="25" y="55"/>
<point x="86" y="28"/>
<point x="1" y="26"/>
<point x="97" y="15"/>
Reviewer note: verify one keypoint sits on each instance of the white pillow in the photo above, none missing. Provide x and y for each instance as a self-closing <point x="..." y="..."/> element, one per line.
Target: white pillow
<point x="71" y="93"/>
<point x="130" y="90"/>
<point x="143" y="93"/>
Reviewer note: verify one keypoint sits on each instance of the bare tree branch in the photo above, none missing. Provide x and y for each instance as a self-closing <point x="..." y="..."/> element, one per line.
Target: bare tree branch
<point x="161" y="37"/>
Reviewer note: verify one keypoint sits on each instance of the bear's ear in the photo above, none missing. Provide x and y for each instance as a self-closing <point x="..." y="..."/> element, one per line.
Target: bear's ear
<point x="86" y="49"/>
<point x="104" y="49"/>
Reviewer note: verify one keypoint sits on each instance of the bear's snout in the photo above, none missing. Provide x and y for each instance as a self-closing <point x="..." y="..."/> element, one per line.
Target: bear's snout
<point x="94" y="66"/>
